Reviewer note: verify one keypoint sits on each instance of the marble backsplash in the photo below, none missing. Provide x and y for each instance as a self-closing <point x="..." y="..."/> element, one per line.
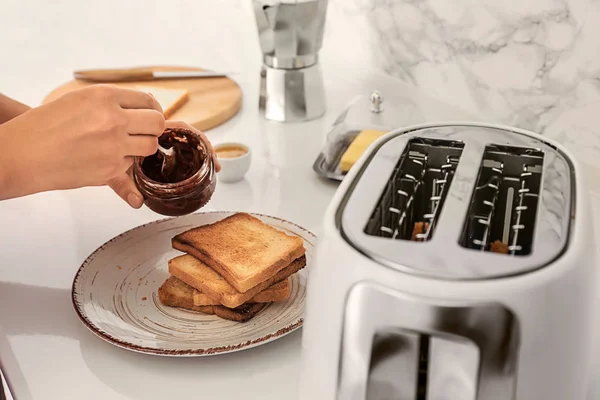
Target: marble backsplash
<point x="533" y="64"/>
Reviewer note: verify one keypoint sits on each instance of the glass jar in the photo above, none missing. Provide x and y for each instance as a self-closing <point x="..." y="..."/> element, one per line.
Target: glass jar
<point x="180" y="197"/>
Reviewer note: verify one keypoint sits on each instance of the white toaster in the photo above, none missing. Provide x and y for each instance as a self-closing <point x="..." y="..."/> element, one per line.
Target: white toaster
<point x="456" y="262"/>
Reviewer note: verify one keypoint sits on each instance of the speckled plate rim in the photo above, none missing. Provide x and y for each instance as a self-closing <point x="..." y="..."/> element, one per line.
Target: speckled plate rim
<point x="189" y="352"/>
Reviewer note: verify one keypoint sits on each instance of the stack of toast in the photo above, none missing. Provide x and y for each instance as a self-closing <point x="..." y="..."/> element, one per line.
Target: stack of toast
<point x="232" y="268"/>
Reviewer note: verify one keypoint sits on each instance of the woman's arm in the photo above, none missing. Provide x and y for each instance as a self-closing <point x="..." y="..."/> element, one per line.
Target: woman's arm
<point x="80" y="139"/>
<point x="10" y="108"/>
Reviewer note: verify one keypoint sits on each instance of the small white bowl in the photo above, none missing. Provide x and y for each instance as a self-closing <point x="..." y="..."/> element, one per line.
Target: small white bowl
<point x="233" y="169"/>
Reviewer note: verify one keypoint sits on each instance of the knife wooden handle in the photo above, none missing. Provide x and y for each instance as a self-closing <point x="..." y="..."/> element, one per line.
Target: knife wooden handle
<point x="115" y="75"/>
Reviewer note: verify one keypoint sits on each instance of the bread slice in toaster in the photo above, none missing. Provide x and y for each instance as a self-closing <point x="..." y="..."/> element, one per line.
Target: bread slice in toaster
<point x="418" y="229"/>
<point x="206" y="280"/>
<point x="176" y="293"/>
<point x="499" y="247"/>
<point x="245" y="251"/>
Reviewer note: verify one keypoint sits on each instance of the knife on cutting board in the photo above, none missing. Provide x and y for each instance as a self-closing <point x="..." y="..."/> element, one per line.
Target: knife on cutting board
<point x="141" y="74"/>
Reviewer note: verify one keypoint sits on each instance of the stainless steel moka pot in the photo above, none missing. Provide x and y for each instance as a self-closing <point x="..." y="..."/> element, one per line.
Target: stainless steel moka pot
<point x="291" y="34"/>
<point x="456" y="262"/>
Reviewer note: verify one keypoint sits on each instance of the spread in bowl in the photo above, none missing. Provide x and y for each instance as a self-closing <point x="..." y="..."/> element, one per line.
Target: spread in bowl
<point x="235" y="161"/>
<point x="185" y="189"/>
<point x="230" y="151"/>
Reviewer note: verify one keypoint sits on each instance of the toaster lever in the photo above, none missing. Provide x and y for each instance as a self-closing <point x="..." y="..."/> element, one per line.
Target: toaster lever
<point x="452" y="369"/>
<point x="402" y="347"/>
<point x="411" y="366"/>
<point x="392" y="370"/>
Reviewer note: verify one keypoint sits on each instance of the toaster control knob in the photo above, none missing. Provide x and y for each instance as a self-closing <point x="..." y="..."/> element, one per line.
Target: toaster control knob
<point x="376" y="102"/>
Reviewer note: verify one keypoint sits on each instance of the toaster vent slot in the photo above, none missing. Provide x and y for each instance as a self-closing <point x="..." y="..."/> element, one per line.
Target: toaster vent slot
<point x="503" y="207"/>
<point x="414" y="195"/>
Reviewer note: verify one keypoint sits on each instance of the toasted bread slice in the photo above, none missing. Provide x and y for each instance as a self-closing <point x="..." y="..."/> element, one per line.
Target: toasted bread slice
<point x="278" y="292"/>
<point x="176" y="293"/>
<point x="419" y="228"/>
<point x="242" y="313"/>
<point x="499" y="247"/>
<point x="206" y="280"/>
<point x="242" y="249"/>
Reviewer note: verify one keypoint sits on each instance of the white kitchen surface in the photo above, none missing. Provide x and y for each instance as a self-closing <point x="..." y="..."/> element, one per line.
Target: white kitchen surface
<point x="44" y="351"/>
<point x="529" y="63"/>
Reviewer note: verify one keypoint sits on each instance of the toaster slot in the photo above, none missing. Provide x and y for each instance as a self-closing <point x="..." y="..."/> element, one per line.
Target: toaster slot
<point x="503" y="206"/>
<point x="414" y="195"/>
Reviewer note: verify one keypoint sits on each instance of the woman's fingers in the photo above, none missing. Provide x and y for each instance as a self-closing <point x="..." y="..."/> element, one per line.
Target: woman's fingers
<point x="135" y="99"/>
<point x="124" y="186"/>
<point x="145" y="122"/>
<point x="140" y="145"/>
<point x="157" y="105"/>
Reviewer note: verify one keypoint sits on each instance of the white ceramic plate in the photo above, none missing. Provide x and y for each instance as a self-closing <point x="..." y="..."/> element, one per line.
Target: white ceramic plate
<point x="115" y="294"/>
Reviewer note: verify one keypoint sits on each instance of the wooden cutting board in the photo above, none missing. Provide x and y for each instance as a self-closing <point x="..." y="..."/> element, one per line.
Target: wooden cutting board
<point x="212" y="101"/>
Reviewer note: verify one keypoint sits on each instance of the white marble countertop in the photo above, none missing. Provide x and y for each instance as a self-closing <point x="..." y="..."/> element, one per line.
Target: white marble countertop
<point x="45" y="352"/>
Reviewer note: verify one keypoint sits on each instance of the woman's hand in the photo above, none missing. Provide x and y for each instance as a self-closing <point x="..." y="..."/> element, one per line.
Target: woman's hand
<point x="85" y="138"/>
<point x="10" y="108"/>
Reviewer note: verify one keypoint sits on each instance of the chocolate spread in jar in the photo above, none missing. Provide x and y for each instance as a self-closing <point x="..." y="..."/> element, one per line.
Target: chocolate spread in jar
<point x="189" y="186"/>
<point x="189" y="156"/>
